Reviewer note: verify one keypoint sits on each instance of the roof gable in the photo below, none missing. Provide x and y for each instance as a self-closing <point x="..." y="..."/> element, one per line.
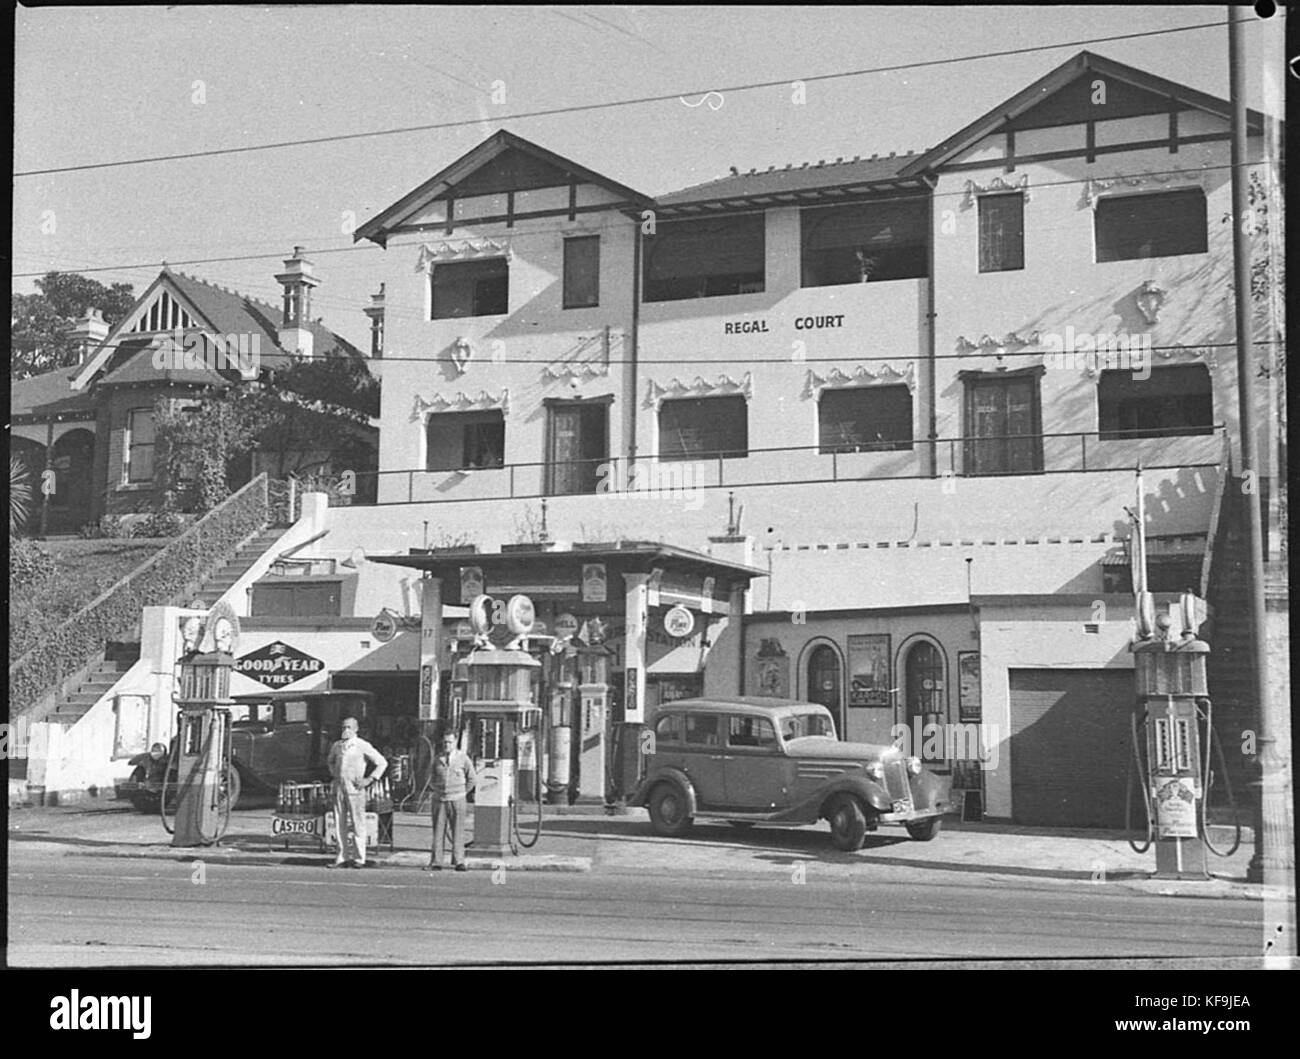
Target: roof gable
<point x="503" y="162"/>
<point x="1065" y="95"/>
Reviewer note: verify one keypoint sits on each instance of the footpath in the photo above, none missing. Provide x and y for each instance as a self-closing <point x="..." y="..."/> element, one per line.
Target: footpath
<point x="584" y="838"/>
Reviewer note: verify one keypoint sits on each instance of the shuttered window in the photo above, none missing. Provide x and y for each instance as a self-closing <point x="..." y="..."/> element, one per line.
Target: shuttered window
<point x="703" y="428"/>
<point x="1002" y="232"/>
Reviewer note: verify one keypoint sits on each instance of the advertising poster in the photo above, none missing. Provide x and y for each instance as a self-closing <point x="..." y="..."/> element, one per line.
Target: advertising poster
<point x="869" y="682"/>
<point x="770" y="673"/>
<point x="968" y="685"/>
<point x="593" y="582"/>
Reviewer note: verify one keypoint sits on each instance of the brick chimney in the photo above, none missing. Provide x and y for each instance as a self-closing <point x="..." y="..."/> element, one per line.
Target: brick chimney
<point x="297" y="279"/>
<point x="88" y="333"/>
<point x="375" y="310"/>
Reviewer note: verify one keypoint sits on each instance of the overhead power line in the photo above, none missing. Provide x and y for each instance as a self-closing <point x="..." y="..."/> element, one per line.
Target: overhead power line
<point x="611" y="104"/>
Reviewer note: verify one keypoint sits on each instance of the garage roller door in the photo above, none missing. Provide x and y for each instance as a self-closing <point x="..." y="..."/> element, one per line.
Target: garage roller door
<point x="1070" y="746"/>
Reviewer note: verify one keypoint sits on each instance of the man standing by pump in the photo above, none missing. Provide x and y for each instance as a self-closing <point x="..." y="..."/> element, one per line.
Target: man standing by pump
<point x="453" y="779"/>
<point x="347" y="762"/>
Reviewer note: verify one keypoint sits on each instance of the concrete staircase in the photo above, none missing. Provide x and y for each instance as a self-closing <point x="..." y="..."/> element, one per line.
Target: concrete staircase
<point x="219" y="583"/>
<point x="118" y="658"/>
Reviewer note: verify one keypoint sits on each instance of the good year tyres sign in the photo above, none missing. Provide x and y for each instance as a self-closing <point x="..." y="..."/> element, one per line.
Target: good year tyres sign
<point x="277" y="665"/>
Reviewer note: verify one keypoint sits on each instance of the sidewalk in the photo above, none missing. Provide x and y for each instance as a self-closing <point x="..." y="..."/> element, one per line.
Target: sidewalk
<point x="585" y="838"/>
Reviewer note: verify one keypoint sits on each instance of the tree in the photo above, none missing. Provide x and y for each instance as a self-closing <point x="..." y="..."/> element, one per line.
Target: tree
<point x="199" y="442"/>
<point x="40" y="322"/>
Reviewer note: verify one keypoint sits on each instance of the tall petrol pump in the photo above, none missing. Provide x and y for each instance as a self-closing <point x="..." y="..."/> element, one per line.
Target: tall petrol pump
<point x="502" y="717"/>
<point x="206" y="780"/>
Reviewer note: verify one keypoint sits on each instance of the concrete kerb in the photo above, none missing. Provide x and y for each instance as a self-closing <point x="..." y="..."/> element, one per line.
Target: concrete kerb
<point x="406" y="859"/>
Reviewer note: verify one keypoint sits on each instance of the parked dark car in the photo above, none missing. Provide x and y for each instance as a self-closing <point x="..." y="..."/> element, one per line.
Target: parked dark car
<point x="771" y="761"/>
<point x="274" y="737"/>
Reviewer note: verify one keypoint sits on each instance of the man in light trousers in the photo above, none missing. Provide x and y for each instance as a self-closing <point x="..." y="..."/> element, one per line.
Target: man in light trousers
<point x="453" y="779"/>
<point x="348" y="759"/>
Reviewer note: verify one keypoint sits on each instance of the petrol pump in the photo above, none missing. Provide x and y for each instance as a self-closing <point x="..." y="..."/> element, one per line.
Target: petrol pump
<point x="207" y="783"/>
<point x="593" y="708"/>
<point x="501" y="716"/>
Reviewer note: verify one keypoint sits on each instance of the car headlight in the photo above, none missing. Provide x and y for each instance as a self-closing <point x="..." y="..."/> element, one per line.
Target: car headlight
<point x="876" y="770"/>
<point x="914" y="765"/>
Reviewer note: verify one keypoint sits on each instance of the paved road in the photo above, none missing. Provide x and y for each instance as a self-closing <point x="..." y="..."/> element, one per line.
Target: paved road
<point x="82" y="910"/>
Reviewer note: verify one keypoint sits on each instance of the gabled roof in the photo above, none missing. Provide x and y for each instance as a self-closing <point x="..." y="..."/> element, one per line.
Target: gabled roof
<point x="124" y="359"/>
<point x="794" y="184"/>
<point x="1084" y="64"/>
<point x="444" y="183"/>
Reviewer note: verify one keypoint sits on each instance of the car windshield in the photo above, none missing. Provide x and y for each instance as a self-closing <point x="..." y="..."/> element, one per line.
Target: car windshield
<point x="798" y="725"/>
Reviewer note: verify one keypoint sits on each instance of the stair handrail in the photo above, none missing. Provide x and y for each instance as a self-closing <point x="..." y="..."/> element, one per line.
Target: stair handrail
<point x="41" y="668"/>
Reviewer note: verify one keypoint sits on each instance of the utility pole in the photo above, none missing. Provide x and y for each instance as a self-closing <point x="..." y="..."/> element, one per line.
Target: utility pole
<point x="1269" y="812"/>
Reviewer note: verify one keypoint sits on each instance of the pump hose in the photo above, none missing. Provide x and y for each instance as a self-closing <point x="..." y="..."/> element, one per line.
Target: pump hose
<point x="428" y="780"/>
<point x="173" y="761"/>
<point x="517" y="839"/>
<point x="1128" y="793"/>
<point x="1212" y="735"/>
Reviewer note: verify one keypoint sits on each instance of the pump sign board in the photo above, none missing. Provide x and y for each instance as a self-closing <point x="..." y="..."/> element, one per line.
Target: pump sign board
<point x="277" y="665"/>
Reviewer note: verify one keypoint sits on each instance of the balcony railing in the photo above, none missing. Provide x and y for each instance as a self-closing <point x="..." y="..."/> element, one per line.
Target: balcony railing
<point x="1066" y="452"/>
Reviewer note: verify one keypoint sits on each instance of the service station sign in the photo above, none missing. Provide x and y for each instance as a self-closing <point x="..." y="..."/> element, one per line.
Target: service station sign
<point x="277" y="665"/>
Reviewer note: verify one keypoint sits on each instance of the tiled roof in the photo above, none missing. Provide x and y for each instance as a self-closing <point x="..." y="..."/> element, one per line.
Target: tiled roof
<point x="804" y="177"/>
<point x="49" y="395"/>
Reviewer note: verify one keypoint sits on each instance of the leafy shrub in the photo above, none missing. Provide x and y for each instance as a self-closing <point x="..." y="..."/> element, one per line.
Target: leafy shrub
<point x="29" y="564"/>
<point x="110" y="527"/>
<point x="160" y="523"/>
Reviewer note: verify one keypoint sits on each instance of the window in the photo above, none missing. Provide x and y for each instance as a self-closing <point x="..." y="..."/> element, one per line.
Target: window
<point x="706" y="258"/>
<point x="577" y="446"/>
<point x="668" y="729"/>
<point x="471" y="288"/>
<point x="864" y="243"/>
<point x="1160" y="225"/>
<point x="865" y="419"/>
<point x="1002" y="232"/>
<point x="582" y="272"/>
<point x="140" y="445"/>
<point x="458" y="441"/>
<point x="306" y="599"/>
<point x="926" y="696"/>
<point x="751" y="731"/>
<point x="1172" y="401"/>
<point x="703" y="428"/>
<point x="702" y="729"/>
<point x="1003" y="423"/>
<point x="295" y="712"/>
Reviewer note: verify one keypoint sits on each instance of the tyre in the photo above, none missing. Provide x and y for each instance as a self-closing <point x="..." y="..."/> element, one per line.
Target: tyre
<point x="848" y="822"/>
<point x="924" y="830"/>
<point x="229" y="797"/>
<point x="669" y="810"/>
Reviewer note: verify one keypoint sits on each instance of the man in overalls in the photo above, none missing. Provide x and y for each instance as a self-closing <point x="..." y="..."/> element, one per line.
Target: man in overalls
<point x="347" y="762"/>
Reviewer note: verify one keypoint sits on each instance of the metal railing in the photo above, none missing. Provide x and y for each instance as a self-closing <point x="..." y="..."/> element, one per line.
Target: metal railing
<point x="964" y="456"/>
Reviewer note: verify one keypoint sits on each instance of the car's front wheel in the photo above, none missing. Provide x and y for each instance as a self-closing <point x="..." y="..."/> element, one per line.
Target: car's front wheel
<point x="924" y="830"/>
<point x="848" y="822"/>
<point x="669" y="811"/>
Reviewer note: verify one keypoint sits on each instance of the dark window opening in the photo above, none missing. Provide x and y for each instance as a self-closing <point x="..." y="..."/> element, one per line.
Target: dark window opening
<point x="706" y="258"/>
<point x="465" y="440"/>
<point x="578" y="448"/>
<point x="864" y="243"/>
<point x="1161" y="225"/>
<point x="1171" y="402"/>
<point x="582" y="272"/>
<point x="865" y="419"/>
<point x="471" y="288"/>
<point x="1003" y="425"/>
<point x="704" y="428"/>
<point x="1002" y="232"/>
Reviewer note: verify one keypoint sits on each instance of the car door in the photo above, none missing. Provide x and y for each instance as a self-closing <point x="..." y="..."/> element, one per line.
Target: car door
<point x="756" y="772"/>
<point x="703" y="756"/>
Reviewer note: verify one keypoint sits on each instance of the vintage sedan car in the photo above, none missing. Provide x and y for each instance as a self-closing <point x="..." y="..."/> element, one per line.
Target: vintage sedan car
<point x="772" y="761"/>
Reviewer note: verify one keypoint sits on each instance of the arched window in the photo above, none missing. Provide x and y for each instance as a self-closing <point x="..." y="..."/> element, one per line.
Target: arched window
<point x="824" y="684"/>
<point x="926" y="697"/>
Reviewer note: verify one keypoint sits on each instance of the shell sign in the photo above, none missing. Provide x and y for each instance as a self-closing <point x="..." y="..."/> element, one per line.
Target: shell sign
<point x="277" y="665"/>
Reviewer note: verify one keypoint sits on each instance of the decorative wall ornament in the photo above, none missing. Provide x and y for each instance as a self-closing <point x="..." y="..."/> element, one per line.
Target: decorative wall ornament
<point x="461" y="402"/>
<point x="700" y="387"/>
<point x="1150" y="298"/>
<point x="460" y="352"/>
<point x="589" y="359"/>
<point x="989" y="345"/>
<point x="1094" y="187"/>
<point x="887" y="375"/>
<point x="995" y="185"/>
<point x="461" y="250"/>
<point x="1201" y="353"/>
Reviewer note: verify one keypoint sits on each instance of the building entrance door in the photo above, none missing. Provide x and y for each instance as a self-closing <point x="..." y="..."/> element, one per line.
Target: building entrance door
<point x="824" y="685"/>
<point x="578" y="444"/>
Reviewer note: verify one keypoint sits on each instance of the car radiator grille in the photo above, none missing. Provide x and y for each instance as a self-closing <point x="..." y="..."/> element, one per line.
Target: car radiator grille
<point x="896" y="782"/>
